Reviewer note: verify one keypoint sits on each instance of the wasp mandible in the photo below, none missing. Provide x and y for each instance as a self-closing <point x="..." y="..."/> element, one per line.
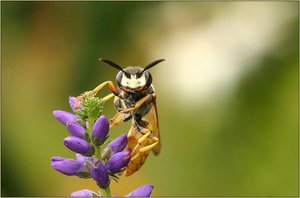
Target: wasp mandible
<point x="135" y="100"/>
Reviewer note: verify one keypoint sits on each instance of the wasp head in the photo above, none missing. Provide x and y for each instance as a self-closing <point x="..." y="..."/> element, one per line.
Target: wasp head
<point x="133" y="79"/>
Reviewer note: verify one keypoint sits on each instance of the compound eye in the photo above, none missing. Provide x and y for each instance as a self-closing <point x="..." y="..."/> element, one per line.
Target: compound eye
<point x="138" y="75"/>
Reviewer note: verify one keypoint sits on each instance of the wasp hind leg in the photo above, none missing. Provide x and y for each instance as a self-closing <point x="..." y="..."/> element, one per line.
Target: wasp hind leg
<point x="137" y="151"/>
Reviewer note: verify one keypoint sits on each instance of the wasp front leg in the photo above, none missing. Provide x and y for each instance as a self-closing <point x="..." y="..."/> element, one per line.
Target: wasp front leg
<point x="119" y="117"/>
<point x="120" y="105"/>
<point x="98" y="88"/>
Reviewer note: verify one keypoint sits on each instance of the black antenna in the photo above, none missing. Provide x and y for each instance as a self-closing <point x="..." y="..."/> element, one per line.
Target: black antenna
<point x="153" y="64"/>
<point x="115" y="65"/>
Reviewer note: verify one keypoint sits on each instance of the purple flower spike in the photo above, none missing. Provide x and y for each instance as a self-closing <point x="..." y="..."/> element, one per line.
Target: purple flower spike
<point x="100" y="175"/>
<point x="68" y="166"/>
<point x="118" y="161"/>
<point x="115" y="146"/>
<point x="83" y="193"/>
<point x="76" y="129"/>
<point x="64" y="116"/>
<point x="100" y="130"/>
<point x="79" y="145"/>
<point x="143" y="191"/>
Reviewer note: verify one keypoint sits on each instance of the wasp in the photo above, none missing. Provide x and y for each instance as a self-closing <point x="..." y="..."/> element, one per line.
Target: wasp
<point x="135" y="100"/>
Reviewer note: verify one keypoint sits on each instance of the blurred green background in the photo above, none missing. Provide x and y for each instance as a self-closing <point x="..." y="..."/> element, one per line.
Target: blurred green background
<point x="227" y="94"/>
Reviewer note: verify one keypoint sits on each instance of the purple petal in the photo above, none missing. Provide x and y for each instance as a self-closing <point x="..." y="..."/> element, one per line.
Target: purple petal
<point x="82" y="158"/>
<point x="119" y="143"/>
<point x="143" y="191"/>
<point x="76" y="129"/>
<point x="118" y="161"/>
<point x="78" y="145"/>
<point x="100" y="130"/>
<point x="64" y="116"/>
<point x="83" y="193"/>
<point x="100" y="175"/>
<point x="66" y="166"/>
<point x="115" y="146"/>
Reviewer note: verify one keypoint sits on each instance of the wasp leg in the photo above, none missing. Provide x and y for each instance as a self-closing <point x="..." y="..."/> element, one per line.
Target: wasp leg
<point x="98" y="88"/>
<point x="149" y="147"/>
<point x="109" y="96"/>
<point x="137" y="105"/>
<point x="145" y="148"/>
<point x="120" y="105"/>
<point x="116" y="120"/>
<point x="119" y="116"/>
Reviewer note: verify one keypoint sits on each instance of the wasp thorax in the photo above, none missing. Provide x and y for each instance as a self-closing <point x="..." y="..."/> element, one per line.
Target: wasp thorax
<point x="133" y="79"/>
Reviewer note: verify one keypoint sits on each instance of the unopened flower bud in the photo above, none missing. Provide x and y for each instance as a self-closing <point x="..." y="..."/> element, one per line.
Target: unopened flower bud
<point x="74" y="103"/>
<point x="115" y="146"/>
<point x="118" y="161"/>
<point x="64" y="116"/>
<point x="143" y="191"/>
<point x="69" y="166"/>
<point x="83" y="193"/>
<point x="100" y="175"/>
<point x="100" y="130"/>
<point x="79" y="145"/>
<point x="76" y="129"/>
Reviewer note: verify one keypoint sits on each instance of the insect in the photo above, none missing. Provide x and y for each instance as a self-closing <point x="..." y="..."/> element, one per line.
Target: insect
<point x="135" y="100"/>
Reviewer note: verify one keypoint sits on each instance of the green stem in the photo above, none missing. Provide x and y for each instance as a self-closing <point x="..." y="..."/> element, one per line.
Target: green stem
<point x="105" y="192"/>
<point x="91" y="124"/>
<point x="97" y="152"/>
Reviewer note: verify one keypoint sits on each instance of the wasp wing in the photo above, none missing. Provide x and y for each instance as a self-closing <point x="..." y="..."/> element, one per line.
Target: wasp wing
<point x="152" y="118"/>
